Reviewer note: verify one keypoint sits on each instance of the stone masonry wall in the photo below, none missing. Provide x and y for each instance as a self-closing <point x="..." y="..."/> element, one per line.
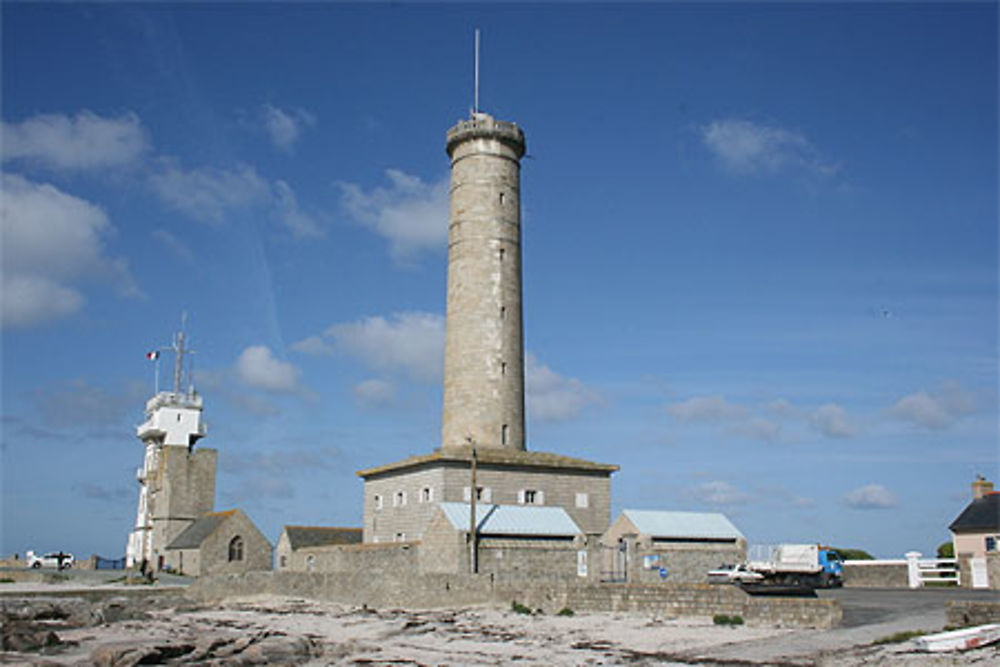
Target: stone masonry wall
<point x="436" y="590"/>
<point x="875" y="574"/>
<point x="966" y="613"/>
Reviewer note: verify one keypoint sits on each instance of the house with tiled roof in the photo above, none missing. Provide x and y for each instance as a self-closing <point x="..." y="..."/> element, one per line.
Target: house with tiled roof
<point x="976" y="531"/>
<point x="298" y="543"/>
<point x="219" y="543"/>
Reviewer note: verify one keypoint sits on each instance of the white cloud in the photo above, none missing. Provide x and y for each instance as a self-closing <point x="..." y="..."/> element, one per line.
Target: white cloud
<point x="758" y="428"/>
<point x="410" y="342"/>
<point x="314" y="345"/>
<point x="870" y="497"/>
<point x="50" y="242"/>
<point x="172" y="243"/>
<point x="831" y="420"/>
<point x="284" y="127"/>
<point x="747" y="147"/>
<point x="707" y="409"/>
<point x="782" y="408"/>
<point x="410" y="214"/>
<point x="553" y="397"/>
<point x="718" y="492"/>
<point x="375" y="392"/>
<point x="85" y="141"/>
<point x="208" y="194"/>
<point x="257" y="367"/>
<point x="300" y="224"/>
<point x="935" y="411"/>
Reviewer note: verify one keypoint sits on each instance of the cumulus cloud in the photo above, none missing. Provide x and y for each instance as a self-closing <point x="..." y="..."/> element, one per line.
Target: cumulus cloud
<point x="257" y="367"/>
<point x="706" y="409"/>
<point x="284" y="127"/>
<point x="410" y="342"/>
<point x="747" y="147"/>
<point x="410" y="214"/>
<point x="870" y="497"/>
<point x="375" y="392"/>
<point x="51" y="242"/>
<point x="300" y="224"/>
<point x="209" y="194"/>
<point x="553" y="397"/>
<point x="936" y="410"/>
<point x="718" y="492"/>
<point x="84" y="141"/>
<point x="758" y="428"/>
<point x="77" y="402"/>
<point x="831" y="420"/>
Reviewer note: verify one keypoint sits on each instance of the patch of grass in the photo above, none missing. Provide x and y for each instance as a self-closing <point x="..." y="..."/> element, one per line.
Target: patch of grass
<point x="899" y="637"/>
<point x="519" y="608"/>
<point x="725" y="619"/>
<point x="565" y="611"/>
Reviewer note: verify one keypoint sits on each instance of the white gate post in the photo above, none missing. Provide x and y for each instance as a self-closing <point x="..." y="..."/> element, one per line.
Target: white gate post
<point x="913" y="569"/>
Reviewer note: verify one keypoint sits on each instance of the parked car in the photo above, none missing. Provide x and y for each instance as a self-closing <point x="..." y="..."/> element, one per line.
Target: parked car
<point x="56" y="559"/>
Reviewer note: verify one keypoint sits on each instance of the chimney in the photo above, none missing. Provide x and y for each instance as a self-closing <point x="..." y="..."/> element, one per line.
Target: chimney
<point x="980" y="488"/>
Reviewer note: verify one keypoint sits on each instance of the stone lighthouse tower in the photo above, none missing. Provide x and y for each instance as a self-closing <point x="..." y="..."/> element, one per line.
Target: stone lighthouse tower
<point x="484" y="351"/>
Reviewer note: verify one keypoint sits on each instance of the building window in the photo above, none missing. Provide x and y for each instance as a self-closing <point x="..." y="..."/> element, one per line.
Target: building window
<point x="236" y="549"/>
<point x="991" y="543"/>
<point x="483" y="493"/>
<point x="503" y="312"/>
<point x="378" y="501"/>
<point x="310" y="563"/>
<point x="283" y="562"/>
<point x="582" y="500"/>
<point x="399" y="499"/>
<point x="502" y="251"/>
<point x="503" y="434"/>
<point x="400" y="537"/>
<point x="501" y="199"/>
<point x="503" y="368"/>
<point x="530" y="497"/>
<point x="426" y="495"/>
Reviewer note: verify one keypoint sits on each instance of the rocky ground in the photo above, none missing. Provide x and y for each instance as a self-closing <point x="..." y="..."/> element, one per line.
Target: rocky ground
<point x="156" y="629"/>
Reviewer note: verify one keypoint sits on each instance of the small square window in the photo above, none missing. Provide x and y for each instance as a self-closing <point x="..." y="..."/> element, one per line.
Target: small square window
<point x="530" y="497"/>
<point x="378" y="501"/>
<point x="399" y="499"/>
<point x="582" y="500"/>
<point x="400" y="537"/>
<point x="991" y="543"/>
<point x="426" y="494"/>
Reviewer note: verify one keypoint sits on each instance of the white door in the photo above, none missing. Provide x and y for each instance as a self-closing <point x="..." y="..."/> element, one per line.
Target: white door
<point x="980" y="578"/>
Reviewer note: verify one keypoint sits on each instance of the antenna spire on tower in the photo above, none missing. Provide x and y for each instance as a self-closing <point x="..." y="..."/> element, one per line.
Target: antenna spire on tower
<point x="475" y="101"/>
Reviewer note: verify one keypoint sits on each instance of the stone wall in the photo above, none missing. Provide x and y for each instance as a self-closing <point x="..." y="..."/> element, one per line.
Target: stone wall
<point x="875" y="574"/>
<point x="687" y="563"/>
<point x="424" y="591"/>
<point x="965" y="613"/>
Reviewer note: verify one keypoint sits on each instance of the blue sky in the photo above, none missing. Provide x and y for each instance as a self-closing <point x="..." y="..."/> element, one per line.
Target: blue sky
<point x="760" y="252"/>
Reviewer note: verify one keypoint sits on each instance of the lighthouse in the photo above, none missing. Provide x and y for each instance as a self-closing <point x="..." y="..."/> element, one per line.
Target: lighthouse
<point x="484" y="349"/>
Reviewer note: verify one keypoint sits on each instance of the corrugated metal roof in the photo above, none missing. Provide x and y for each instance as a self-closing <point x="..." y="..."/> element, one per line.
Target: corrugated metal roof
<point x="699" y="525"/>
<point x="512" y="519"/>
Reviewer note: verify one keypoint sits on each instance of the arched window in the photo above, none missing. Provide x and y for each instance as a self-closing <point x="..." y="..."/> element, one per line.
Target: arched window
<point x="236" y="549"/>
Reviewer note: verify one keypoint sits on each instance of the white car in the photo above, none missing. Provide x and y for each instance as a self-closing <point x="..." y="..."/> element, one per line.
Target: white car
<point x="56" y="559"/>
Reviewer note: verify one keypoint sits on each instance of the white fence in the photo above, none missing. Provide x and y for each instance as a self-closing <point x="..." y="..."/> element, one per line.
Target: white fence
<point x="922" y="571"/>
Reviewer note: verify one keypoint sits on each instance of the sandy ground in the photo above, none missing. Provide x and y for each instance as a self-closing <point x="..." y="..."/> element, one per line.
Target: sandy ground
<point x="273" y="630"/>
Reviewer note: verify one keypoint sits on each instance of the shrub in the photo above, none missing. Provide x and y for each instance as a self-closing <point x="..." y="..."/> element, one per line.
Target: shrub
<point x="899" y="637"/>
<point x="725" y="619"/>
<point x="519" y="608"/>
<point x="946" y="550"/>
<point x="565" y="611"/>
<point x="853" y="554"/>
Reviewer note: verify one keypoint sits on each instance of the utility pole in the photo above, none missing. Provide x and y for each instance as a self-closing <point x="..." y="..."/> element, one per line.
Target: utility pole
<point x="473" y="493"/>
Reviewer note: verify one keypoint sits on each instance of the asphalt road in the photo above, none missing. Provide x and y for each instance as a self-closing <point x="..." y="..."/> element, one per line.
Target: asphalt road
<point x="875" y="606"/>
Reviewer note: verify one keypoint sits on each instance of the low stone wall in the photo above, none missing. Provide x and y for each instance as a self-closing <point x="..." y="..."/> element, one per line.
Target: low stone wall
<point x="679" y="600"/>
<point x="964" y="613"/>
<point x="422" y="591"/>
<point x="875" y="574"/>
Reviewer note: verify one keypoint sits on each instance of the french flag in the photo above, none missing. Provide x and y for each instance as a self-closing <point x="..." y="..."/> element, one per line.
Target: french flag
<point x="153" y="356"/>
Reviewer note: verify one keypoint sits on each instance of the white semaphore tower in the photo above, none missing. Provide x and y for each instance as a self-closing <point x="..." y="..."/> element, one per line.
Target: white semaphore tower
<point x="176" y="483"/>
